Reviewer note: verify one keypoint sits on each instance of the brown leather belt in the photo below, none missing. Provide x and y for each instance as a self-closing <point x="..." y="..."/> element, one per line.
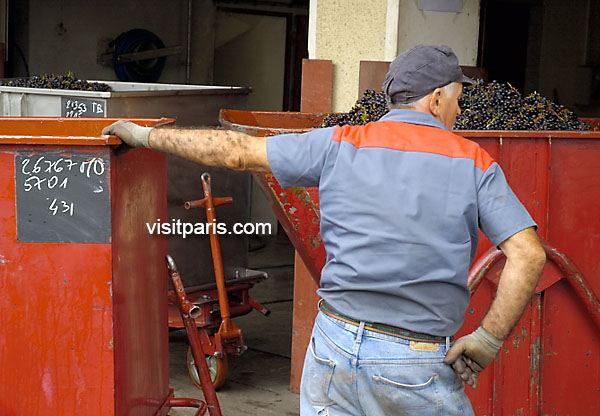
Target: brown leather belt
<point x="382" y="328"/>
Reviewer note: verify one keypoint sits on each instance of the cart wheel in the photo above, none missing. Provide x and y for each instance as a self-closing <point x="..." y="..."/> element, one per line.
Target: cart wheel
<point x="216" y="366"/>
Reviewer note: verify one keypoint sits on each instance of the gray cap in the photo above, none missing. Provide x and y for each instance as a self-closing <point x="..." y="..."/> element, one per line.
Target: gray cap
<point x="420" y="70"/>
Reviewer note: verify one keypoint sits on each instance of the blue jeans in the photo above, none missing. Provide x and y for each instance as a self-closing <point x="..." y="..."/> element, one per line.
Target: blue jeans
<point x="349" y="370"/>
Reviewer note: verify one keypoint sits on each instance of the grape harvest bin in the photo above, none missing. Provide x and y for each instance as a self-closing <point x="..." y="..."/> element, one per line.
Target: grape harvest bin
<point x="551" y="362"/>
<point x="83" y="286"/>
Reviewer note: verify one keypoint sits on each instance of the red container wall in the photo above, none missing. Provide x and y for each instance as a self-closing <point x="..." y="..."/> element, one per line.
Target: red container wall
<point x="550" y="365"/>
<point x="140" y="329"/>
<point x="84" y="326"/>
<point x="55" y="349"/>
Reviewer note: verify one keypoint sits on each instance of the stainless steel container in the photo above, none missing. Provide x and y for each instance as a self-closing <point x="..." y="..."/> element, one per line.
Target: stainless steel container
<point x="190" y="105"/>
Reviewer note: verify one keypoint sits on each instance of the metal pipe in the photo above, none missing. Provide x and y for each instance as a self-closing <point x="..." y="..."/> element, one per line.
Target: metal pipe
<point x="228" y="328"/>
<point x="188" y="58"/>
<point x="188" y="307"/>
<point x="189" y="323"/>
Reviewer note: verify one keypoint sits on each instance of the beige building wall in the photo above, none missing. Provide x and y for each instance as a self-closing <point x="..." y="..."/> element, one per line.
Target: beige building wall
<point x="346" y="32"/>
<point x="350" y="31"/>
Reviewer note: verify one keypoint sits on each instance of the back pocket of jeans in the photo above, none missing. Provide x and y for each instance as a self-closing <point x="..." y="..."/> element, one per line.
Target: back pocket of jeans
<point x="316" y="377"/>
<point x="407" y="390"/>
<point x="393" y="383"/>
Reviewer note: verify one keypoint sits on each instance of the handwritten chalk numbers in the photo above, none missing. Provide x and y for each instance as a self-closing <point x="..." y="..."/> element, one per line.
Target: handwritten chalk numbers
<point x="36" y="183"/>
<point x="61" y="207"/>
<point x="72" y="108"/>
<point x="75" y="108"/>
<point x="63" y="196"/>
<point x="94" y="166"/>
<point x="31" y="168"/>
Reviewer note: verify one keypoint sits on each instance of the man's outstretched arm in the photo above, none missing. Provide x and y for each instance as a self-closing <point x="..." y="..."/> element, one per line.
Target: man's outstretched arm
<point x="525" y="260"/>
<point x="210" y="147"/>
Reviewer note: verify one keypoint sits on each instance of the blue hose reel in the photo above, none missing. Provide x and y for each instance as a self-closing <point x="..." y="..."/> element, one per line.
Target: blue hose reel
<point x="145" y="70"/>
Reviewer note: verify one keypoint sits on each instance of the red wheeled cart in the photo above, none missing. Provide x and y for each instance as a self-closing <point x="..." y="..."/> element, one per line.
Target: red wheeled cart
<point x="216" y="303"/>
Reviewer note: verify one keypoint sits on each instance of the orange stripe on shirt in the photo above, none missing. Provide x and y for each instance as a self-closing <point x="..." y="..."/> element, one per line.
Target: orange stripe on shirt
<point x="408" y="137"/>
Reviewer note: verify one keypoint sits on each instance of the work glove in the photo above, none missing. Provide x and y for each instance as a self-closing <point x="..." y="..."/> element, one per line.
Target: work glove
<point x="130" y="133"/>
<point x="477" y="350"/>
<point x="467" y="370"/>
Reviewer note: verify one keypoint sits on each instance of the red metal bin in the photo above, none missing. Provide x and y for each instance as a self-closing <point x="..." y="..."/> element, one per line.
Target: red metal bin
<point x="550" y="365"/>
<point x="83" y="305"/>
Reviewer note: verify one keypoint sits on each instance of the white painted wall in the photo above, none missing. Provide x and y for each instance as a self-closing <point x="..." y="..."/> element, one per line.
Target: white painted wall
<point x="460" y="31"/>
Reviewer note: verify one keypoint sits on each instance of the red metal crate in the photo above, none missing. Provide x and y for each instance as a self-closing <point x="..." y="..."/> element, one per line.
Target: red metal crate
<point x="551" y="362"/>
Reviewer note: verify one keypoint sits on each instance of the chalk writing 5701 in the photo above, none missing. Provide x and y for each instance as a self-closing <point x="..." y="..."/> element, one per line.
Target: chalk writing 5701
<point x="35" y="182"/>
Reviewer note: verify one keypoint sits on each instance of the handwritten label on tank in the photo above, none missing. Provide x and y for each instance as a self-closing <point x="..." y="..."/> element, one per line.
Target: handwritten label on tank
<point x="62" y="197"/>
<point x="79" y="107"/>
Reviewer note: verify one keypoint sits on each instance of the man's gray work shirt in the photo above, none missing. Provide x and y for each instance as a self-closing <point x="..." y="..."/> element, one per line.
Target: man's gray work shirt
<point x="401" y="201"/>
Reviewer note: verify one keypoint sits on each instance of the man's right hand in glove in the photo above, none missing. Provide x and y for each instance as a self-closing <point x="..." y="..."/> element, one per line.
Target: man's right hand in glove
<point x="130" y="133"/>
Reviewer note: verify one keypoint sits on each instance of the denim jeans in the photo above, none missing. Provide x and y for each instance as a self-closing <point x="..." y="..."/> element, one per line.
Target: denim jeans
<point x="349" y="370"/>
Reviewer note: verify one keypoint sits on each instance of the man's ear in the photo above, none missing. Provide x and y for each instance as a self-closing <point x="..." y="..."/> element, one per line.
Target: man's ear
<point x="434" y="102"/>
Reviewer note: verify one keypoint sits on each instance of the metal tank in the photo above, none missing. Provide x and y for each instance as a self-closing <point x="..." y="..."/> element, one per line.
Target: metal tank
<point x="190" y="105"/>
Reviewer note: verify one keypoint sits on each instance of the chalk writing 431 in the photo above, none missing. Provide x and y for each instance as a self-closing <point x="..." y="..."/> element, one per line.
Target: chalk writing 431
<point x="61" y="207"/>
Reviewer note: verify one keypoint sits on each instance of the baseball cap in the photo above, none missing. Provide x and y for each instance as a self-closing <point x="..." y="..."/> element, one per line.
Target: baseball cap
<point x="420" y="70"/>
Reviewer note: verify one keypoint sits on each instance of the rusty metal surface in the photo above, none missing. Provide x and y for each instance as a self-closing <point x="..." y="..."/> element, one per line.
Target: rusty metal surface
<point x="551" y="362"/>
<point x="188" y="311"/>
<point x="63" y="131"/>
<point x="139" y="284"/>
<point x="297" y="209"/>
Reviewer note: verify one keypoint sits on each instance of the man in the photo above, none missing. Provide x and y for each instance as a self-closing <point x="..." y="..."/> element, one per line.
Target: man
<point x="401" y="201"/>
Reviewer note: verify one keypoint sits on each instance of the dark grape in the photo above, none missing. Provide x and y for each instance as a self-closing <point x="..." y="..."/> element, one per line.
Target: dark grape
<point x="493" y="106"/>
<point x="61" y="82"/>
<point x="371" y="107"/>
<point x="498" y="106"/>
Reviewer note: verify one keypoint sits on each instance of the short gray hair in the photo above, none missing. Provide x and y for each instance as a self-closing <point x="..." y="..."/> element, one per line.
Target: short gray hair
<point x="447" y="90"/>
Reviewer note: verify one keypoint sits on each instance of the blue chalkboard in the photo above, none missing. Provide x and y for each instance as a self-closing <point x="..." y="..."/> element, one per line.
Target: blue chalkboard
<point x="62" y="197"/>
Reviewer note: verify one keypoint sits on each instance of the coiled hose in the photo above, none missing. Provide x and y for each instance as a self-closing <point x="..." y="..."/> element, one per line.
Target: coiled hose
<point x="138" y="40"/>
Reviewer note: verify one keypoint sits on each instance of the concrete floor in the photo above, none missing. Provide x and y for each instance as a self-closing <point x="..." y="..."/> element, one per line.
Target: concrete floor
<point x="258" y="380"/>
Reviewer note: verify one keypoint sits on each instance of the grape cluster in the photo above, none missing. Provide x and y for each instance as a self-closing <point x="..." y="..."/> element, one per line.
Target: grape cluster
<point x="493" y="106"/>
<point x="371" y="107"/>
<point x="498" y="106"/>
<point x="61" y="82"/>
